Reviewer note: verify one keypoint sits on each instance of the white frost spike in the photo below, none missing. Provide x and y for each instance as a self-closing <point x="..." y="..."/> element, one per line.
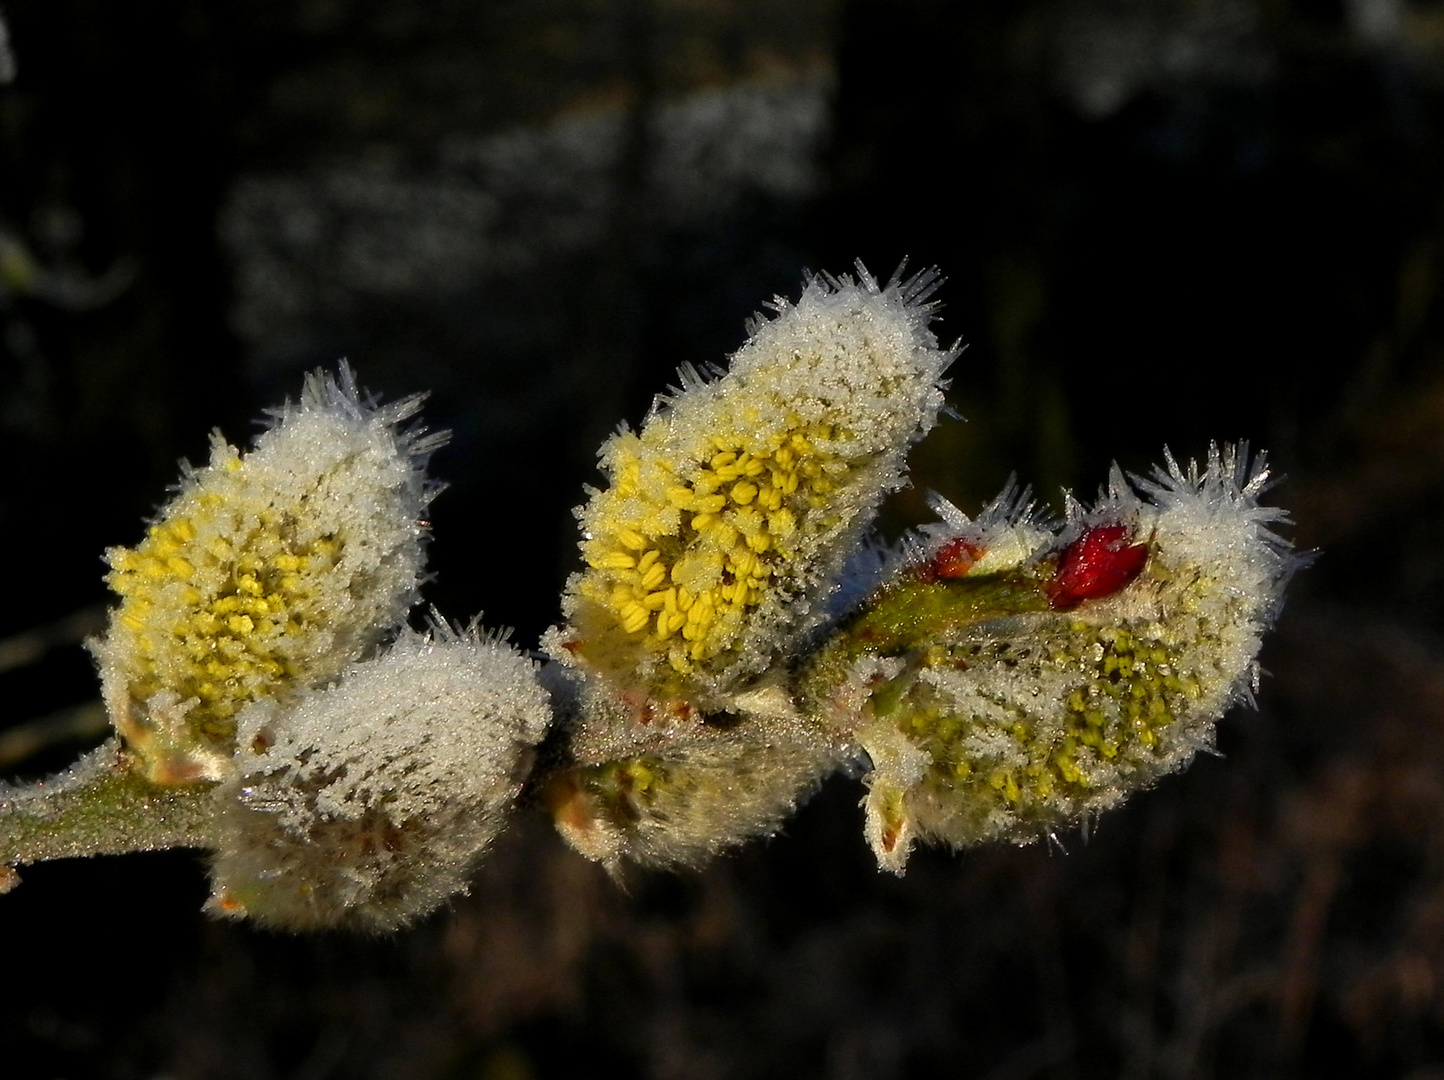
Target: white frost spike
<point x="366" y="805"/>
<point x="367" y="463"/>
<point x="1009" y="531"/>
<point x="1216" y="509"/>
<point x="1211" y="518"/>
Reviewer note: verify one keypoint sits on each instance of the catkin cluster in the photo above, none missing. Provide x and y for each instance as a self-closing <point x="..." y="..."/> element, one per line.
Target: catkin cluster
<point x="360" y="769"/>
<point x="711" y="557"/>
<point x="1002" y="678"/>
<point x="733" y="636"/>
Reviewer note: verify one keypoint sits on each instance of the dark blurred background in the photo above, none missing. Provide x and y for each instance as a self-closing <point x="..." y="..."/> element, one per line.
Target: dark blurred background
<point x="1162" y="222"/>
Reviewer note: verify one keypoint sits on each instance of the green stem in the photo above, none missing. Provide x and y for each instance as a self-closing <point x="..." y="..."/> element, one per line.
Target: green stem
<point x="99" y="806"/>
<point x="909" y="615"/>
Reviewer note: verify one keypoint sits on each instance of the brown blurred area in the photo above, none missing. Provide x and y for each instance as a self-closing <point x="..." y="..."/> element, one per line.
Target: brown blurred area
<point x="1163" y="222"/>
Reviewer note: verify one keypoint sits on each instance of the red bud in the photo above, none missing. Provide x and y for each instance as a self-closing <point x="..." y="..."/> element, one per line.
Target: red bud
<point x="953" y="560"/>
<point x="1099" y="563"/>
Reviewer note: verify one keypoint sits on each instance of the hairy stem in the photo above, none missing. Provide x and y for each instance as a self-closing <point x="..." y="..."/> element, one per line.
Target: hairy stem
<point x="98" y="806"/>
<point x="906" y="617"/>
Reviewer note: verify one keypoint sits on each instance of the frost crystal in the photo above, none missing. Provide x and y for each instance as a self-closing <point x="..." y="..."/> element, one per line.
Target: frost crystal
<point x="267" y="574"/>
<point x="367" y="804"/>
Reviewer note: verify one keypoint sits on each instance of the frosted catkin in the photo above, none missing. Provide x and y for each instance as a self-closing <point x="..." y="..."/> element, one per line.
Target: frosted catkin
<point x="368" y="804"/>
<point x="267" y="574"/>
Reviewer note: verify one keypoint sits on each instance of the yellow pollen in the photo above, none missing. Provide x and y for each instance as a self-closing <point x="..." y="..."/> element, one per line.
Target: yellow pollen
<point x="634" y="617"/>
<point x="208" y="598"/>
<point x="667" y="564"/>
<point x="614" y="560"/>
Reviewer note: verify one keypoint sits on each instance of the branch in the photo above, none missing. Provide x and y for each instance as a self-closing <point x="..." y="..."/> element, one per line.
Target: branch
<point x="99" y="806"/>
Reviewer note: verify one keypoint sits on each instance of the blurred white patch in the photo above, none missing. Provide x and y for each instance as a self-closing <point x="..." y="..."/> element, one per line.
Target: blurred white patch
<point x="315" y="244"/>
<point x="1377" y="22"/>
<point x="1109" y="52"/>
<point x="9" y="68"/>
